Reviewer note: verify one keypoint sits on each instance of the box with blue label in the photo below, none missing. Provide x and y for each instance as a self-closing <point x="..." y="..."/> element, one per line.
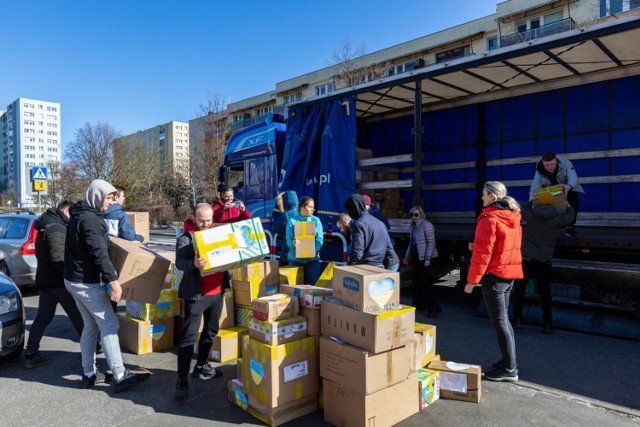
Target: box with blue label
<point x="366" y="288"/>
<point x="167" y="306"/>
<point x="144" y="336"/>
<point x="230" y="246"/>
<point x="279" y="331"/>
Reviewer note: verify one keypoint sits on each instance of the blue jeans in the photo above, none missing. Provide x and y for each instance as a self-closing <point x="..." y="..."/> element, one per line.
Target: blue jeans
<point x="99" y="318"/>
<point x="312" y="270"/>
<point x="495" y="291"/>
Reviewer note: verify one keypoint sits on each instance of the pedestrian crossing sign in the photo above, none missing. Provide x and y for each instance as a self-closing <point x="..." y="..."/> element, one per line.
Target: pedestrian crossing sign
<point x="39" y="185"/>
<point x="38" y="172"/>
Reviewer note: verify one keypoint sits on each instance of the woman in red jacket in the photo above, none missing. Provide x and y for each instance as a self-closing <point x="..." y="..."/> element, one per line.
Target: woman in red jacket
<point x="495" y="263"/>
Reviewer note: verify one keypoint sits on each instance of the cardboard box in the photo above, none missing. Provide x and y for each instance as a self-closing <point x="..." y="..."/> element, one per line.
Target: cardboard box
<point x="272" y="416"/>
<point x="242" y="314"/>
<point x="305" y="233"/>
<point x="458" y="381"/>
<point x="166" y="306"/>
<point x="366" y="288"/>
<point x="227" y="345"/>
<point x="257" y="271"/>
<point x="144" y="336"/>
<point x="246" y="291"/>
<point x="230" y="246"/>
<point x="308" y="296"/>
<point x="375" y="332"/>
<point x="428" y="387"/>
<point x="227" y="319"/>
<point x="291" y="275"/>
<point x="279" y="331"/>
<point x="140" y="223"/>
<point x="423" y="346"/>
<point x="280" y="374"/>
<point x="326" y="278"/>
<point x="361" y="370"/>
<point x="313" y="321"/>
<point x="275" y="307"/>
<point x="346" y="408"/>
<point x="141" y="272"/>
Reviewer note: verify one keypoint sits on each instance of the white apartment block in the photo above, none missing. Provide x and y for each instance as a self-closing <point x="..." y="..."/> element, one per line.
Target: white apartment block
<point x="169" y="141"/>
<point x="30" y="135"/>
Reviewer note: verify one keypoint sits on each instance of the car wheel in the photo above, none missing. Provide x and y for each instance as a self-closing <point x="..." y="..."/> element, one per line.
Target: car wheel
<point x="4" y="268"/>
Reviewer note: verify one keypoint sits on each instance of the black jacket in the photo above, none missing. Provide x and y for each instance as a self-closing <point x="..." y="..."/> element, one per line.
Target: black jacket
<point x="52" y="232"/>
<point x="86" y="252"/>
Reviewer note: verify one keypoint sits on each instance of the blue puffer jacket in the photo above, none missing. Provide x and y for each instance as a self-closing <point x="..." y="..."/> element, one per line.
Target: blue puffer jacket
<point x="118" y="224"/>
<point x="290" y="204"/>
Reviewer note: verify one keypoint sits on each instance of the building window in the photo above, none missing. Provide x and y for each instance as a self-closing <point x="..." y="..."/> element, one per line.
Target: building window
<point x="456" y="53"/>
<point x="263" y="110"/>
<point x="492" y="43"/>
<point x="402" y="68"/>
<point x="52" y="109"/>
<point x="296" y="97"/>
<point x="324" y="89"/>
<point x="29" y="122"/>
<point x="26" y="105"/>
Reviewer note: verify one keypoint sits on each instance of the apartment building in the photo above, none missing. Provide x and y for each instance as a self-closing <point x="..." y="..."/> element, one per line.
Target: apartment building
<point x="167" y="143"/>
<point x="515" y="22"/>
<point x="29" y="136"/>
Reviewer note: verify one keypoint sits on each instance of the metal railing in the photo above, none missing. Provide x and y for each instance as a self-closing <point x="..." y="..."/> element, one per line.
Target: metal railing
<point x="543" y="31"/>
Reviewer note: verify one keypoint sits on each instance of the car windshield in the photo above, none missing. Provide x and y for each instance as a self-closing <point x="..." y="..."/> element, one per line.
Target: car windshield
<point x="17" y="228"/>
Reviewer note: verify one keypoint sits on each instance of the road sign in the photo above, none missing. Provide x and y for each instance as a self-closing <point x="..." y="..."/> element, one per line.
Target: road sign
<point x="38" y="172"/>
<point x="39" y="185"/>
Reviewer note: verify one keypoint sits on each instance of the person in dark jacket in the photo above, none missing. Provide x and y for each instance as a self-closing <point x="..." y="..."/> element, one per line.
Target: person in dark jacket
<point x="202" y="297"/>
<point x="542" y="218"/>
<point x="52" y="232"/>
<point x="288" y="204"/>
<point x="370" y="243"/>
<point x="118" y="223"/>
<point x="92" y="279"/>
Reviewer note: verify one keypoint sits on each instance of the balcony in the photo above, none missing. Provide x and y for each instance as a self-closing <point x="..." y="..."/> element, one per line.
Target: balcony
<point x="536" y="33"/>
<point x="239" y="124"/>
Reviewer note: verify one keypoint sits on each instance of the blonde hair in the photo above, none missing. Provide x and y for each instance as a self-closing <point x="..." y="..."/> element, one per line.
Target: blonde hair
<point x="419" y="210"/>
<point x="499" y="190"/>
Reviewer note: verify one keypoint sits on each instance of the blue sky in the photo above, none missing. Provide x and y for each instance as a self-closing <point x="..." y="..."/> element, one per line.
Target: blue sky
<point x="136" y="64"/>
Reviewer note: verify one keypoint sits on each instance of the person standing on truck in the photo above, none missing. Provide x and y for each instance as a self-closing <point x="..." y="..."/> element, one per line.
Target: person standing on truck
<point x="202" y="297"/>
<point x="89" y="275"/>
<point x="229" y="209"/>
<point x="554" y="170"/>
<point x="288" y="204"/>
<point x="118" y="223"/>
<point x="312" y="267"/>
<point x="542" y="219"/>
<point x="496" y="262"/>
<point x="420" y="253"/>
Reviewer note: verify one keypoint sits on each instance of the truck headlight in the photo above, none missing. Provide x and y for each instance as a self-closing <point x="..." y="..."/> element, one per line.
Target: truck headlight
<point x="8" y="302"/>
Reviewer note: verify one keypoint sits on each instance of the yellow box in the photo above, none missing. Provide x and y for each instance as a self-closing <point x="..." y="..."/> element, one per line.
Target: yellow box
<point x="167" y="306"/>
<point x="292" y="275"/>
<point x="227" y="345"/>
<point x="144" y="336"/>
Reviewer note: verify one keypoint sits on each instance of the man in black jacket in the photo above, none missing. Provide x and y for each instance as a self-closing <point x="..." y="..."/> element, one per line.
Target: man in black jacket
<point x="92" y="279"/>
<point x="52" y="231"/>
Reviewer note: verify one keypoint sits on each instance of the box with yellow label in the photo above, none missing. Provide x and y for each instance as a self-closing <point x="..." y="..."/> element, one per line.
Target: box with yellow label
<point x="305" y="234"/>
<point x="144" y="336"/>
<point x="255" y="280"/>
<point x="231" y="245"/>
<point x="227" y="345"/>
<point x="292" y="275"/>
<point x="275" y="307"/>
<point x="423" y="345"/>
<point x="279" y="331"/>
<point x="366" y="288"/>
<point x="167" y="306"/>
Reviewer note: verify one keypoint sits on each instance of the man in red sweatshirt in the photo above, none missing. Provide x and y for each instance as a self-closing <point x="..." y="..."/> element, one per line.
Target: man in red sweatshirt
<point x="203" y="298"/>
<point x="229" y="209"/>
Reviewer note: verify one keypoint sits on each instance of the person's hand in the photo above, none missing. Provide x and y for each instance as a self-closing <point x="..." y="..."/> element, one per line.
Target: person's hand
<point x="199" y="262"/>
<point x="295" y="242"/>
<point x="427" y="263"/>
<point x="566" y="188"/>
<point x="241" y="207"/>
<point x="468" y="288"/>
<point x="228" y="205"/>
<point x="116" y="291"/>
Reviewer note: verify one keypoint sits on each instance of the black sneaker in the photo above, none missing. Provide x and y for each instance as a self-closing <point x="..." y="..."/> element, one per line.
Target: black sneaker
<point x="182" y="388"/>
<point x="34" y="360"/>
<point x="130" y="379"/>
<point x="502" y="375"/>
<point x="498" y="365"/>
<point x="207" y="371"/>
<point x="97" y="378"/>
<point x="570" y="232"/>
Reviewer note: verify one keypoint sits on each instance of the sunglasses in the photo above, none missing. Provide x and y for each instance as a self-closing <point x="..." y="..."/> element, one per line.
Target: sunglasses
<point x="415" y="214"/>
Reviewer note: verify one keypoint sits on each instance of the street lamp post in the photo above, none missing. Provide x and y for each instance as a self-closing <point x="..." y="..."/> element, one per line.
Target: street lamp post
<point x="9" y="203"/>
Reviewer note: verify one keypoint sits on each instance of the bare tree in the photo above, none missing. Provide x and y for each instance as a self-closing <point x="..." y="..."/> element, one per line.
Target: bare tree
<point x="91" y="150"/>
<point x="64" y="183"/>
<point x="137" y="166"/>
<point x="352" y="67"/>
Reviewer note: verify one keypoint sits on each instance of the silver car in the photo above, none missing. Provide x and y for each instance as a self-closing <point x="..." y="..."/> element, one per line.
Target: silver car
<point x="18" y="246"/>
<point x="11" y="319"/>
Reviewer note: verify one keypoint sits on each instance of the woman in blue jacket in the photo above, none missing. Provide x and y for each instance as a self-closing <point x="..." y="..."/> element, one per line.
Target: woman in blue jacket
<point x="312" y="268"/>
<point x="288" y="204"/>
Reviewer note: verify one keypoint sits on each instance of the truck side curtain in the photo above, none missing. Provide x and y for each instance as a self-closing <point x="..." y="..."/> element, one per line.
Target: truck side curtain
<point x="320" y="155"/>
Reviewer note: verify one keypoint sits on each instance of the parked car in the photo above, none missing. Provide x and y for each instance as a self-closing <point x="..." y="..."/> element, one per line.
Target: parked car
<point x="18" y="246"/>
<point x="11" y="319"/>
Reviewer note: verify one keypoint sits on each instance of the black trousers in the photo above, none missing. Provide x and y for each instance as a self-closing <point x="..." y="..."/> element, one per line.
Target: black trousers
<point x="208" y="307"/>
<point x="574" y="201"/>
<point x="47" y="303"/>
<point x="424" y="297"/>
<point x="495" y="291"/>
<point x="542" y="272"/>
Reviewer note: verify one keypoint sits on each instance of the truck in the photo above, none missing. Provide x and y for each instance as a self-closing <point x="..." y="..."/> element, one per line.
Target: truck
<point x="433" y="136"/>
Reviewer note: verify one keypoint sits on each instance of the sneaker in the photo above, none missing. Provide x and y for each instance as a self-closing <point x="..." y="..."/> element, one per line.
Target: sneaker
<point x="182" y="388"/>
<point x="97" y="378"/>
<point x="207" y="371"/>
<point x="570" y="232"/>
<point x="498" y="365"/>
<point x="130" y="379"/>
<point x="34" y="360"/>
<point x="502" y="375"/>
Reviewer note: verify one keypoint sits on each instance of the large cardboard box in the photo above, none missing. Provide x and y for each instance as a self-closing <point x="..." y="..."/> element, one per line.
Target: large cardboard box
<point x="167" y="306"/>
<point x="375" y="332"/>
<point x="279" y="374"/>
<point x="458" y="381"/>
<point x="227" y="319"/>
<point x="255" y="280"/>
<point x="140" y="223"/>
<point x="279" y="331"/>
<point x="313" y="321"/>
<point x="308" y="296"/>
<point x="291" y="275"/>
<point x="227" y="345"/>
<point x="141" y="272"/>
<point x="366" y="288"/>
<point x="423" y="346"/>
<point x="231" y="245"/>
<point x="345" y="407"/>
<point x="246" y="291"/>
<point x="305" y="233"/>
<point x="428" y="387"/>
<point x="275" y="307"/>
<point x="271" y="416"/>
<point x="361" y="370"/>
<point x="144" y="336"/>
